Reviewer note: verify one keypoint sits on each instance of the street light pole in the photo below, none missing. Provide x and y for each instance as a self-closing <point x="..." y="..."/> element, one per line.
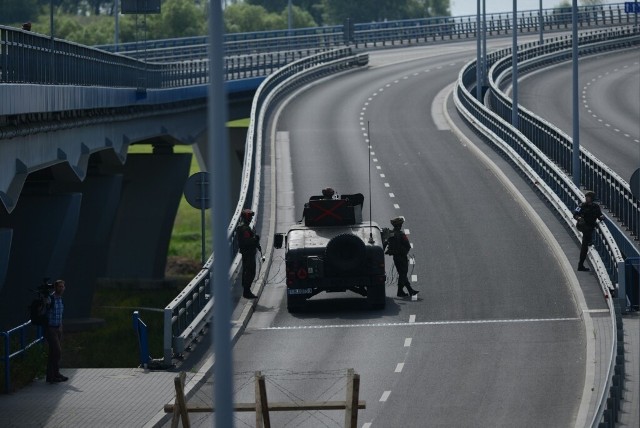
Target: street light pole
<point x="514" y="66"/>
<point x="541" y="24"/>
<point x="478" y="56"/>
<point x="219" y="194"/>
<point x="52" y="59"/>
<point x="116" y="12"/>
<point x="575" y="160"/>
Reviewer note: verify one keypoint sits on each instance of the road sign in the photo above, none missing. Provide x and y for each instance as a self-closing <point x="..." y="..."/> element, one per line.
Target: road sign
<point x="196" y="190"/>
<point x="632" y="7"/>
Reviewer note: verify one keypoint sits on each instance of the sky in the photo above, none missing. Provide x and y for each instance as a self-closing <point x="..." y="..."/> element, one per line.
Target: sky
<point x="468" y="7"/>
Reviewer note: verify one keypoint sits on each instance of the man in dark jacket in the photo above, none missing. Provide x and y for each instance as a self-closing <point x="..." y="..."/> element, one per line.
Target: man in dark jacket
<point x="586" y="214"/>
<point x="248" y="242"/>
<point x="398" y="246"/>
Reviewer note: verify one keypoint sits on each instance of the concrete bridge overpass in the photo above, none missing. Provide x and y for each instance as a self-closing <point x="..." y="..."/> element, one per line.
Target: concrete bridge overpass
<point x="74" y="204"/>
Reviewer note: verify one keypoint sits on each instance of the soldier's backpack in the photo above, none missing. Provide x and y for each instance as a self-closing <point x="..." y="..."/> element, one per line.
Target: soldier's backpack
<point x="394" y="245"/>
<point x="39" y="310"/>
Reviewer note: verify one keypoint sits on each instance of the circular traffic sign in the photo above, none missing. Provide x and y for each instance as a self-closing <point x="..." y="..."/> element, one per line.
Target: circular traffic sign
<point x="196" y="190"/>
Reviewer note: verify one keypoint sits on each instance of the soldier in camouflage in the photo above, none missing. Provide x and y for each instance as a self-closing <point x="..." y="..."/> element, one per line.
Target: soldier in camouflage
<point x="398" y="246"/>
<point x="248" y="242"/>
<point x="586" y="214"/>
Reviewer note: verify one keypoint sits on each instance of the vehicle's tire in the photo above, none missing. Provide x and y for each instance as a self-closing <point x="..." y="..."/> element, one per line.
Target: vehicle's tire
<point x="295" y="304"/>
<point x="376" y="297"/>
<point x="345" y="253"/>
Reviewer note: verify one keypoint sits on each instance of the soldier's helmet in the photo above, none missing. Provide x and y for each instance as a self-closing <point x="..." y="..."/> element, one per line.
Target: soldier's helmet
<point x="590" y="194"/>
<point x="247" y="214"/>
<point x="328" y="192"/>
<point x="397" y="221"/>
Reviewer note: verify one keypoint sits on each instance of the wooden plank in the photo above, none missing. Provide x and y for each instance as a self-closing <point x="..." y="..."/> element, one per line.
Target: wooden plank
<point x="273" y="407"/>
<point x="180" y="400"/>
<point x="263" y="405"/>
<point x="354" y="401"/>
<point x="348" y="408"/>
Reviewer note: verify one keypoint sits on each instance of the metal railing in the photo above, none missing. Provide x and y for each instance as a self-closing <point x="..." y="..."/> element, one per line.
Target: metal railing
<point x="187" y="314"/>
<point x="27" y="57"/>
<point x="549" y="176"/>
<point x="22" y="332"/>
<point x="373" y="34"/>
<point x="612" y="190"/>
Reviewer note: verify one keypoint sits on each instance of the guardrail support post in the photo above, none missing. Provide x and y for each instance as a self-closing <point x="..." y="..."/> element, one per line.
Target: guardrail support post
<point x="167" y="339"/>
<point x="622" y="286"/>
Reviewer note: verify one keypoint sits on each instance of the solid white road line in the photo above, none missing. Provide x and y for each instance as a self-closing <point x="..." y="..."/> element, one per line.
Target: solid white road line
<point x="421" y="323"/>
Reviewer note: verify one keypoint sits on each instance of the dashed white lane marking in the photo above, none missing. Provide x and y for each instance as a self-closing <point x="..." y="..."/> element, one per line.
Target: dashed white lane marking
<point x="414" y="278"/>
<point x="378" y="167"/>
<point x="411" y="243"/>
<point x="367" y="425"/>
<point x="375" y="159"/>
<point x="412" y="318"/>
<point x="382" y="176"/>
<point x="396" y="206"/>
<point x="392" y="195"/>
<point x="399" y="367"/>
<point x="412" y="261"/>
<point x="385" y="395"/>
<point x="422" y="323"/>
<point x="387" y="185"/>
<point x="407" y="342"/>
<point x="407" y="232"/>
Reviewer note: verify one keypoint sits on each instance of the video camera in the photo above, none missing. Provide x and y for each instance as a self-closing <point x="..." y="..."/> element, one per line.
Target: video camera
<point x="46" y="287"/>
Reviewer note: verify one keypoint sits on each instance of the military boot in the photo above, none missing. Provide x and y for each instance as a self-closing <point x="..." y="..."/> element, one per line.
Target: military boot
<point x="412" y="292"/>
<point x="247" y="294"/>
<point x="401" y="292"/>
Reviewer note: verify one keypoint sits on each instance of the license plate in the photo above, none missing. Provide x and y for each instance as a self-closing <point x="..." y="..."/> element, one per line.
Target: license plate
<point x="299" y="290"/>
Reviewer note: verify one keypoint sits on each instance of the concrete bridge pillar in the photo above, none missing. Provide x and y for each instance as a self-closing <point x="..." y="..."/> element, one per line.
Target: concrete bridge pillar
<point x="44" y="227"/>
<point x="151" y="191"/>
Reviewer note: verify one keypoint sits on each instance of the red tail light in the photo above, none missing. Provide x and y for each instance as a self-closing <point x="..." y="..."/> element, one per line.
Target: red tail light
<point x="302" y="273"/>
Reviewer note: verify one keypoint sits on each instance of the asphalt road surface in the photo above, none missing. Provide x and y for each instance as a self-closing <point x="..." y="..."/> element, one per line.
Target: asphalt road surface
<point x="609" y="105"/>
<point x="495" y="339"/>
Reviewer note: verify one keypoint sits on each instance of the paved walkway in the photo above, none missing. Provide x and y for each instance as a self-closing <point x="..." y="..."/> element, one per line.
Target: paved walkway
<point x="90" y="398"/>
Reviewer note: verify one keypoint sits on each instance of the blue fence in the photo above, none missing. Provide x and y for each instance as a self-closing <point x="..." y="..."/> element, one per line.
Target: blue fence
<point x="11" y="350"/>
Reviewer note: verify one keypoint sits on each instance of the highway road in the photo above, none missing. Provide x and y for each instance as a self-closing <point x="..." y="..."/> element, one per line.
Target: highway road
<point x="609" y="105"/>
<point x="495" y="339"/>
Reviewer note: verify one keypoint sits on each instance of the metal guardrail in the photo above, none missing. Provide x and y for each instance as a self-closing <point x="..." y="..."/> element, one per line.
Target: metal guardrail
<point x="612" y="190"/>
<point x="27" y="57"/>
<point x="560" y="191"/>
<point x="186" y="315"/>
<point x="21" y="330"/>
<point x="373" y="34"/>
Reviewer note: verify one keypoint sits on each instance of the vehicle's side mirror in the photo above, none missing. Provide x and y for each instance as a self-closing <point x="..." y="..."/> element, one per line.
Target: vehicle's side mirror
<point x="278" y="239"/>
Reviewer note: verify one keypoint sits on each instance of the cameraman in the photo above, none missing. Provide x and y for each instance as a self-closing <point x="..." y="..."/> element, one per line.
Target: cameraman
<point x="53" y="333"/>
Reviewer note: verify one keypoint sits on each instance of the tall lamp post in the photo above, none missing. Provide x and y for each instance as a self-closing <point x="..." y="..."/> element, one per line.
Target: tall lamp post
<point x="53" y="68"/>
<point x="575" y="159"/>
<point x="514" y="66"/>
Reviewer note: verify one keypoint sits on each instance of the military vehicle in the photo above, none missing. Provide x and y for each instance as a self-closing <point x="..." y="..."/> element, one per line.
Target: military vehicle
<point x="334" y="251"/>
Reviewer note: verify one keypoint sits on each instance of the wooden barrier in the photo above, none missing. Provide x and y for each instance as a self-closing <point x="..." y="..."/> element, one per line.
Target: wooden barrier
<point x="262" y="407"/>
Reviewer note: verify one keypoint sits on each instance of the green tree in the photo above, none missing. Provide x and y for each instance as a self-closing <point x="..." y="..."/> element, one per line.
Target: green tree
<point x="13" y="12"/>
<point x="179" y="18"/>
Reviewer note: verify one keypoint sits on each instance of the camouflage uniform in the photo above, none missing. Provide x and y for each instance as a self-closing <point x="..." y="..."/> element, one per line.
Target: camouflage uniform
<point x="587" y="213"/>
<point x="398" y="246"/>
<point x="248" y="243"/>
